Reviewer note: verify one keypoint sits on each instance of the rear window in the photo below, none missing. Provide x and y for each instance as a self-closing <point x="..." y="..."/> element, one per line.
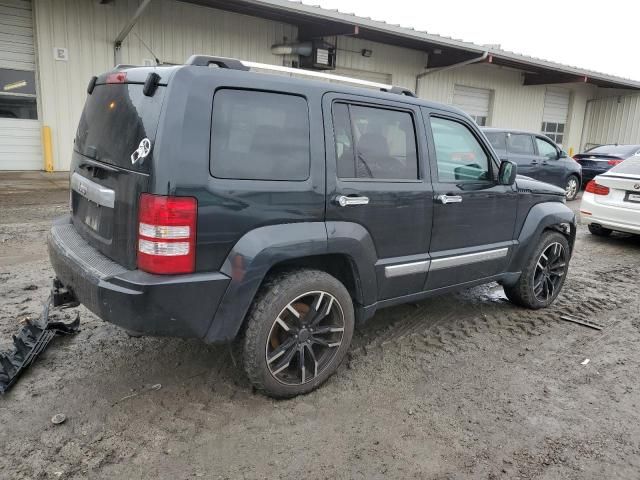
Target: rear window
<point x="616" y="150"/>
<point x="259" y="136"/>
<point x="631" y="166"/>
<point x="498" y="140"/>
<point x="115" y="119"/>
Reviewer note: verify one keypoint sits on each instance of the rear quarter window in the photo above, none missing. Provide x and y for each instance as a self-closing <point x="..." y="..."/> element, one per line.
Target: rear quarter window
<point x="259" y="136"/>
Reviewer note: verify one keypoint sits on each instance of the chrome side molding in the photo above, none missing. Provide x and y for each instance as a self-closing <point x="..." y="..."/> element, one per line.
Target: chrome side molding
<point x="391" y="271"/>
<point x="468" y="258"/>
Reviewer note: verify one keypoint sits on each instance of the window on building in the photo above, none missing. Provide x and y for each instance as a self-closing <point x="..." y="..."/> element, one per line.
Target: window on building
<point x="374" y="142"/>
<point x="555" y="131"/>
<point x="459" y="155"/>
<point x="259" y="136"/>
<point x="17" y="94"/>
<point x="520" y="144"/>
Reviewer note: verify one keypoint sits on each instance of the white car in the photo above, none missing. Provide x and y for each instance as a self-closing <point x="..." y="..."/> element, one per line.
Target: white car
<point x="611" y="201"/>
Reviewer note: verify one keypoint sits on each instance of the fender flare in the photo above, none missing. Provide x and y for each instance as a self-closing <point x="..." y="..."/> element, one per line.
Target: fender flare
<point x="541" y="217"/>
<point x="260" y="249"/>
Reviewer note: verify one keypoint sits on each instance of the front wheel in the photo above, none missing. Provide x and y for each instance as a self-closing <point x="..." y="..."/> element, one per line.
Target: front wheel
<point x="298" y="331"/>
<point x="544" y="273"/>
<point x="572" y="188"/>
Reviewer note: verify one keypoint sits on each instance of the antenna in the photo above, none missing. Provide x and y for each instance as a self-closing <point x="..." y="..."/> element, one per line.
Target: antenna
<point x="148" y="48"/>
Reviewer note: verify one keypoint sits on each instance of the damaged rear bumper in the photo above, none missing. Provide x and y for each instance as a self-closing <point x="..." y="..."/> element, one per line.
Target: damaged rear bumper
<point x="162" y="305"/>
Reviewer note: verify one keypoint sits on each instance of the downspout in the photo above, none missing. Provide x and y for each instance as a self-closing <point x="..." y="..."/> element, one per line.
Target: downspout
<point x="479" y="59"/>
<point x="117" y="44"/>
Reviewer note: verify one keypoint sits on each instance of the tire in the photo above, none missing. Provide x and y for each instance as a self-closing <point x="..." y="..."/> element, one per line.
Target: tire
<point x="599" y="230"/>
<point x="276" y="340"/>
<point x="572" y="188"/>
<point x="526" y="291"/>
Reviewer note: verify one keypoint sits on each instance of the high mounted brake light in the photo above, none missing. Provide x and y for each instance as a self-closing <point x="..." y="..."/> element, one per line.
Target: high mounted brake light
<point x="118" y="77"/>
<point x="167" y="234"/>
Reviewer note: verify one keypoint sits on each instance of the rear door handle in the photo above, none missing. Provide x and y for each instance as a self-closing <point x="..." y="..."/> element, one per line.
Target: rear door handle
<point x="534" y="162"/>
<point x="349" y="201"/>
<point x="445" y="199"/>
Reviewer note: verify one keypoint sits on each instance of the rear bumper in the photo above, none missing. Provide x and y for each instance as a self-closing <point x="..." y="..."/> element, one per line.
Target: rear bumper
<point x="162" y="305"/>
<point x="615" y="218"/>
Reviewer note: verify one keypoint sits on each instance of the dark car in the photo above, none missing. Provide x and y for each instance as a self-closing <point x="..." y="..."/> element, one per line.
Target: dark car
<point x="537" y="156"/>
<point x="598" y="160"/>
<point x="224" y="204"/>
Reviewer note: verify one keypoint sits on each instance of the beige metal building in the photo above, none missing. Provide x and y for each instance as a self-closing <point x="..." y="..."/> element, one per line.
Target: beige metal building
<point x="49" y="49"/>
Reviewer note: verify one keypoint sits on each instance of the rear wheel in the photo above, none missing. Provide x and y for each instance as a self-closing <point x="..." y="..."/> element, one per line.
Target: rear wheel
<point x="599" y="230"/>
<point x="572" y="188"/>
<point x="544" y="273"/>
<point x="298" y="331"/>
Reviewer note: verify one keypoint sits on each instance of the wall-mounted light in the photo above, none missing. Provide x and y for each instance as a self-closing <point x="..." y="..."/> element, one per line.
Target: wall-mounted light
<point x="366" y="52"/>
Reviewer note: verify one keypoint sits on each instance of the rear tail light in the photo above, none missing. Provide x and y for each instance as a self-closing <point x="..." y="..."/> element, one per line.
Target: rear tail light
<point x="118" y="77"/>
<point x="596" y="188"/>
<point x="167" y="234"/>
<point x="575" y="159"/>
<point x="614" y="162"/>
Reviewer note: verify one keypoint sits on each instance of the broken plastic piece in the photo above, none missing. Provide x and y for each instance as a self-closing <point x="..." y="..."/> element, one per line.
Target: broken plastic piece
<point x="30" y="341"/>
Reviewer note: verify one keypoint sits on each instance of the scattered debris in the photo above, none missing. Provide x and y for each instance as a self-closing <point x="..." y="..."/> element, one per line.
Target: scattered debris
<point x="580" y="321"/>
<point x="30" y="341"/>
<point x="586" y="360"/>
<point x="156" y="387"/>
<point x="58" y="418"/>
<point x="31" y="287"/>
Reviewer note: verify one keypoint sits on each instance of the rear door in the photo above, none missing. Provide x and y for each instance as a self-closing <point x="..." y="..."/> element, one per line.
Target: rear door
<point x="473" y="216"/>
<point x="376" y="179"/>
<point x="105" y="180"/>
<point x="521" y="150"/>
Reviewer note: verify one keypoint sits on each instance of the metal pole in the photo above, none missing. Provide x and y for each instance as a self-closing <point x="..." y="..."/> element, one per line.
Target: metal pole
<point x="127" y="28"/>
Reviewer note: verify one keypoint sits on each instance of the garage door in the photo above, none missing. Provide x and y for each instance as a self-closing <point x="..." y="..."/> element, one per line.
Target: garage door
<point x="473" y="101"/>
<point x="556" y="112"/>
<point x="20" y="144"/>
<point x="364" y="75"/>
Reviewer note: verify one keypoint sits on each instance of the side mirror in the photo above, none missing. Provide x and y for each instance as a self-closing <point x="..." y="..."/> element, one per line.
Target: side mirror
<point x="507" y="173"/>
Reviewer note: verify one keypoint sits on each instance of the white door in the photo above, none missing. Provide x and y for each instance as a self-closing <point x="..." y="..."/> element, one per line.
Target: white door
<point x="556" y="112"/>
<point x="475" y="102"/>
<point x="376" y="77"/>
<point x="20" y="141"/>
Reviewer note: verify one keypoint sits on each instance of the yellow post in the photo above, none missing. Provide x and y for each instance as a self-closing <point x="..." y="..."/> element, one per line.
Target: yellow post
<point x="571" y="151"/>
<point x="47" y="148"/>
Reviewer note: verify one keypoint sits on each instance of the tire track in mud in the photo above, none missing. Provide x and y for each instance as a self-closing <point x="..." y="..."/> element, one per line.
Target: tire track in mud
<point x="450" y="322"/>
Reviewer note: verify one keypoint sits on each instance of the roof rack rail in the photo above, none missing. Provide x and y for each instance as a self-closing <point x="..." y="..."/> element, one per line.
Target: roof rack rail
<point x="235" y="64"/>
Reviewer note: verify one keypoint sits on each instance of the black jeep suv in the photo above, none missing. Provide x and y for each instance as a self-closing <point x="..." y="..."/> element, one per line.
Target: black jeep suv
<point x="224" y="204"/>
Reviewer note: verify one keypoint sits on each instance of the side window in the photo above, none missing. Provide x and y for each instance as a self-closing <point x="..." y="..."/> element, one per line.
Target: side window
<point x="545" y="149"/>
<point x="520" y="144"/>
<point x="259" y="136"/>
<point x="498" y="140"/>
<point x="460" y="156"/>
<point x="374" y="142"/>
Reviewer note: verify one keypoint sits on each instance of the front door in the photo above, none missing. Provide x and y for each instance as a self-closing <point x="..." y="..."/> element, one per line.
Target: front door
<point x="473" y="216"/>
<point x="377" y="185"/>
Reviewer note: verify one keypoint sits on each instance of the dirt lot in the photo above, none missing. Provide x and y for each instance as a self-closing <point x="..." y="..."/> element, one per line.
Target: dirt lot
<point x="462" y="386"/>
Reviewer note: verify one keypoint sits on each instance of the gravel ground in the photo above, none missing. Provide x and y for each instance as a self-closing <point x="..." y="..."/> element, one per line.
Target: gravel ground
<point x="460" y="386"/>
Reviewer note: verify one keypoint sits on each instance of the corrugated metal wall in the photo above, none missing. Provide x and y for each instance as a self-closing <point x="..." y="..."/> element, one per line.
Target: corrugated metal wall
<point x="614" y="119"/>
<point x="173" y="30"/>
<point x="513" y="105"/>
